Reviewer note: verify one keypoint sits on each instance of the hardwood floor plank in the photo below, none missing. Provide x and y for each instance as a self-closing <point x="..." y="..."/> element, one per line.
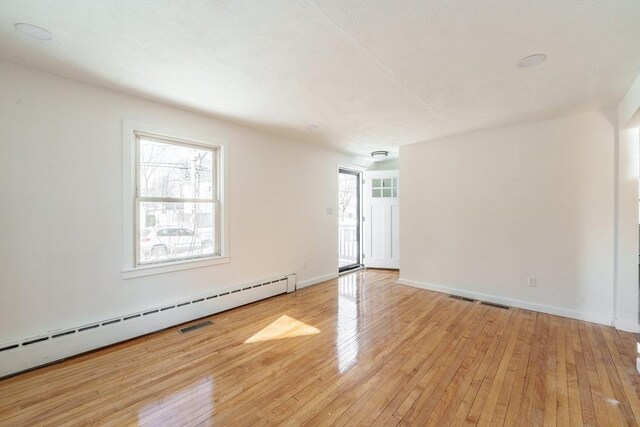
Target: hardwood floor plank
<point x="445" y="408"/>
<point x="435" y="385"/>
<point x="624" y="372"/>
<point x="586" y="399"/>
<point x="562" y="392"/>
<point x="406" y="400"/>
<point x="575" y="405"/>
<point x="337" y="382"/>
<point x="488" y="406"/>
<point x="335" y="403"/>
<point x="595" y="386"/>
<point x="358" y="350"/>
<point x="609" y="398"/>
<point x="476" y="410"/>
<point x="460" y="417"/>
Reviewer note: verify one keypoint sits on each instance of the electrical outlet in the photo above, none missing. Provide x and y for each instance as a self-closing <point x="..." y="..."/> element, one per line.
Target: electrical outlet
<point x="532" y="281"/>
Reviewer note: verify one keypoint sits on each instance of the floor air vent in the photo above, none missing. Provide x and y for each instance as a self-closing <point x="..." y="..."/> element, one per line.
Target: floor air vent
<point x="194" y="327"/>
<point x="504" y="307"/>
<point x="462" y="298"/>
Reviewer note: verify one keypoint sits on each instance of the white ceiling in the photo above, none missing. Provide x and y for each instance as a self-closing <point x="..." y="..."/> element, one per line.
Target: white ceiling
<point x="371" y="75"/>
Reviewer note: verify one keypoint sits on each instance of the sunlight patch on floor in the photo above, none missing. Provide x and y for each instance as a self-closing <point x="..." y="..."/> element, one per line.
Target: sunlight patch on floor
<point x="283" y="327"/>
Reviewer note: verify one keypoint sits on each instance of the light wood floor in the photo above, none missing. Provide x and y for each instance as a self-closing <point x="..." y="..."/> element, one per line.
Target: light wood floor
<point x="360" y="350"/>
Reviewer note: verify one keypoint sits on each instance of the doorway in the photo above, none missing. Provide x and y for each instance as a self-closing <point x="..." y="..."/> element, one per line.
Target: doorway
<point x="349" y="228"/>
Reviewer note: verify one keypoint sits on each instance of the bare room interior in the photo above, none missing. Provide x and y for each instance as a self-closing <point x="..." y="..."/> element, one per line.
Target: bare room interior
<point x="319" y="212"/>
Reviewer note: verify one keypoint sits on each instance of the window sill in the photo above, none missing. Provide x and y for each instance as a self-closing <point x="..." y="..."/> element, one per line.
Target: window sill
<point x="148" y="270"/>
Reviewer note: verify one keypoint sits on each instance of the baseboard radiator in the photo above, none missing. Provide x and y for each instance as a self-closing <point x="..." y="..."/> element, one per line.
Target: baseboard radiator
<point x="24" y="354"/>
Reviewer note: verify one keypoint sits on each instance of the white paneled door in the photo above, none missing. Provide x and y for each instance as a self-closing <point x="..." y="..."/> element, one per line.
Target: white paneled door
<point x="381" y="219"/>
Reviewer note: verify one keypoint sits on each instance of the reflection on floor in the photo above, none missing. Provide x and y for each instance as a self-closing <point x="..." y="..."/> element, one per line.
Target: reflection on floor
<point x="349" y="311"/>
<point x="163" y="410"/>
<point x="359" y="350"/>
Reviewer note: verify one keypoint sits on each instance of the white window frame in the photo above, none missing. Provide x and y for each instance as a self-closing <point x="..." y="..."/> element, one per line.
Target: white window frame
<point x="131" y="130"/>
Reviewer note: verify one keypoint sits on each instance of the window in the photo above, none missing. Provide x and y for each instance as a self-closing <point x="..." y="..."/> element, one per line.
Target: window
<point x="384" y="187"/>
<point x="174" y="195"/>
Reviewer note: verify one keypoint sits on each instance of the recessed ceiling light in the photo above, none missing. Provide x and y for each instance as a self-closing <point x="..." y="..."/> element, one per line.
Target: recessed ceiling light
<point x="379" y="154"/>
<point x="311" y="127"/>
<point x="33" y="31"/>
<point x="532" y="60"/>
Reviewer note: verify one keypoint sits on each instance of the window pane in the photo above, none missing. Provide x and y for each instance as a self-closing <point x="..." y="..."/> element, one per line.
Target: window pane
<point x="386" y="182"/>
<point x="170" y="170"/>
<point x="375" y="182"/>
<point x="386" y="192"/>
<point x="376" y="192"/>
<point x="170" y="231"/>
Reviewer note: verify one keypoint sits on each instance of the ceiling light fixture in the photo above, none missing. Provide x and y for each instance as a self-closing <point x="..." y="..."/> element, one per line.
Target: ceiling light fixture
<point x="532" y="60"/>
<point x="33" y="31"/>
<point x="379" y="154"/>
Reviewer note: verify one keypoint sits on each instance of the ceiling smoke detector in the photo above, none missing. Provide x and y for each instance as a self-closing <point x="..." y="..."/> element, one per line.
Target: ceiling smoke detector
<point x="532" y="60"/>
<point x="379" y="154"/>
<point x="33" y="31"/>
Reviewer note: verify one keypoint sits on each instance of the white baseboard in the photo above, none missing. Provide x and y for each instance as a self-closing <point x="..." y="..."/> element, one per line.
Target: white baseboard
<point x="316" y="280"/>
<point x="601" y="319"/>
<point x="627" y="325"/>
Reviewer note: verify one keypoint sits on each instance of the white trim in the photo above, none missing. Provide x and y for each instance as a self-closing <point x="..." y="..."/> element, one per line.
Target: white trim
<point x="557" y="311"/>
<point x="360" y="171"/>
<point x="316" y="280"/>
<point x="168" y="267"/>
<point x="616" y="220"/>
<point x="627" y="325"/>
<point x="291" y="283"/>
<point x="129" y="128"/>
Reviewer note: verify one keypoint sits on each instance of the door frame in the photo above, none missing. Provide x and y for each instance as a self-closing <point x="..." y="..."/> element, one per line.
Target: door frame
<point x="359" y="192"/>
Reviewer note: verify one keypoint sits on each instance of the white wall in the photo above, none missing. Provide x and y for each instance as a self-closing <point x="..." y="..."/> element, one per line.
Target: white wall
<point x="627" y="229"/>
<point x="385" y="165"/>
<point x="628" y="164"/>
<point x="482" y="211"/>
<point x="629" y="107"/>
<point x="60" y="208"/>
